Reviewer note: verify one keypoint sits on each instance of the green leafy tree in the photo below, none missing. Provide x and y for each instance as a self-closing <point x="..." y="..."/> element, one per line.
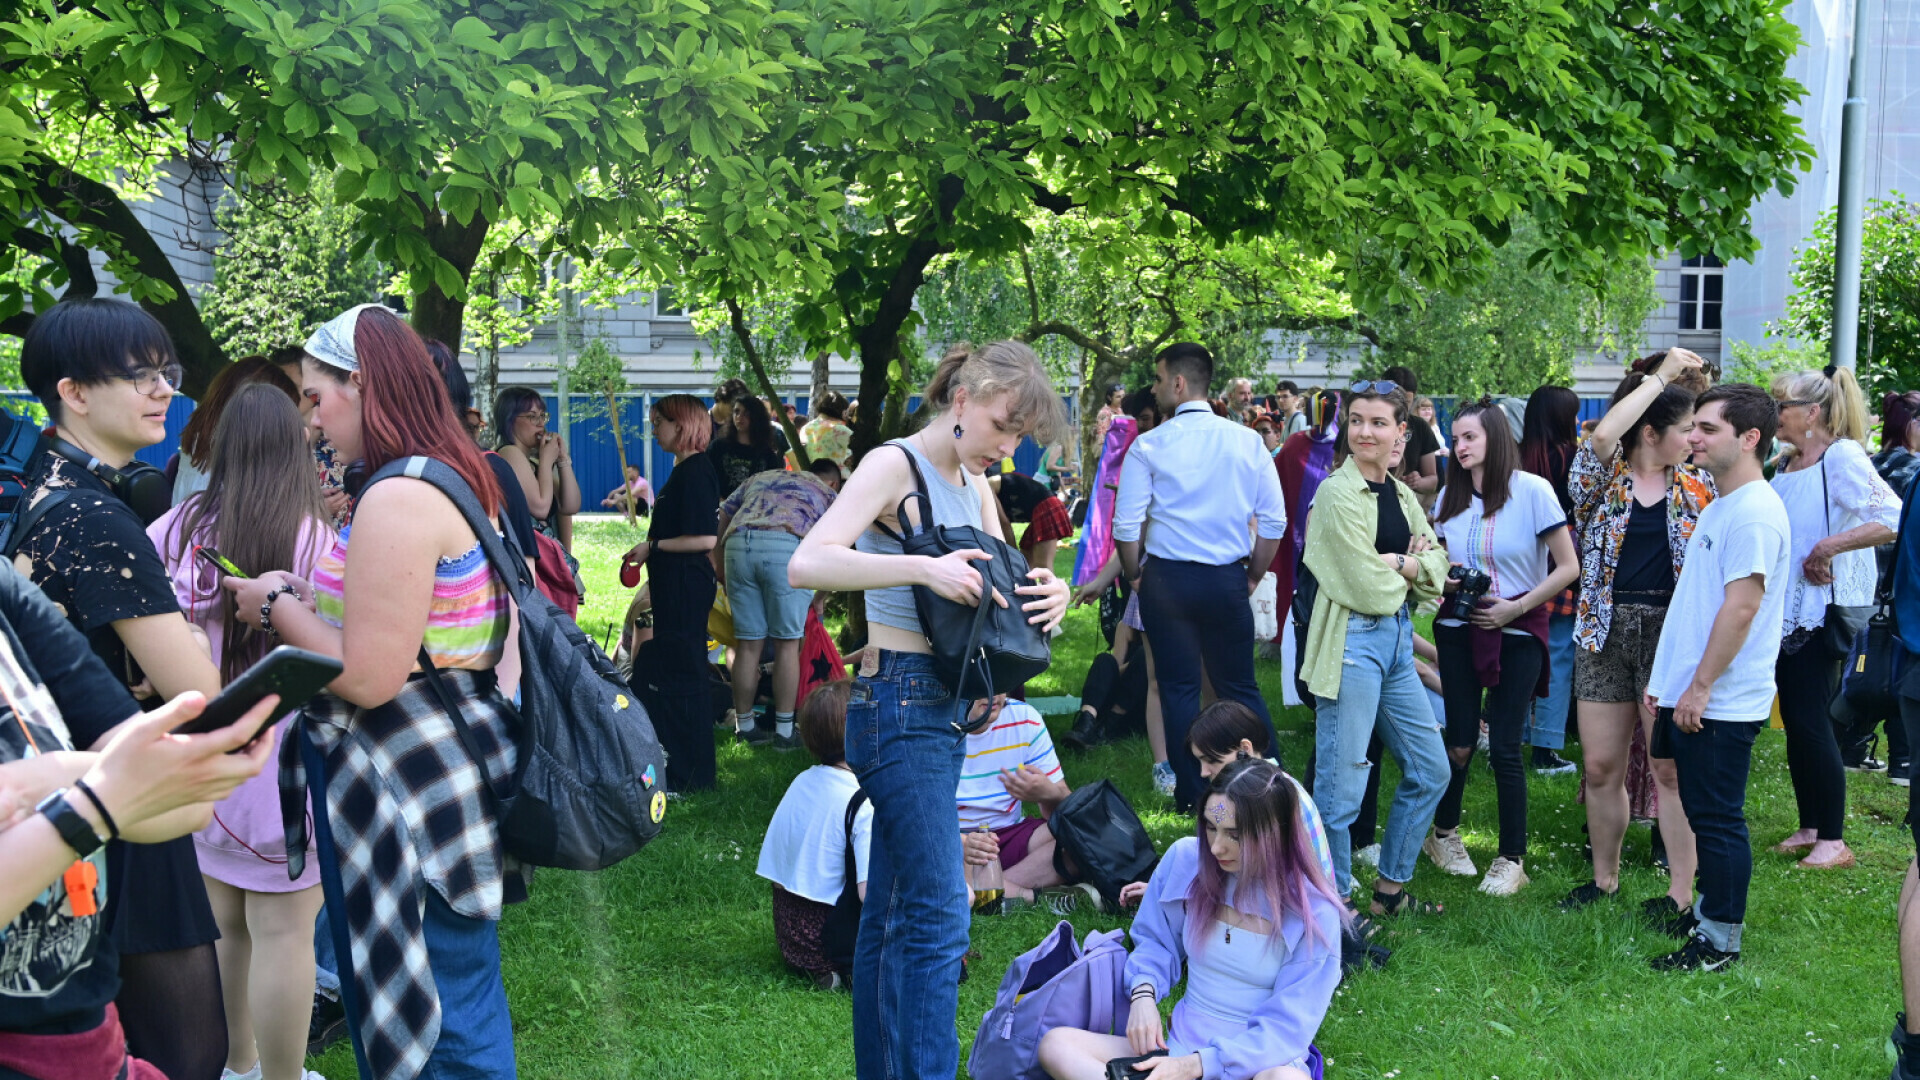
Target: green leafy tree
<point x="436" y="120"/>
<point x="598" y="372"/>
<point x="1098" y="298"/>
<point x="1402" y="139"/>
<point x="285" y="266"/>
<point x="1889" y="335"/>
<point x="1515" y="329"/>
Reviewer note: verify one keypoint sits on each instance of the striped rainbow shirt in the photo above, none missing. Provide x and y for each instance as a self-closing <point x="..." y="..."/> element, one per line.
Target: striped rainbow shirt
<point x="1018" y="737"/>
<point x="467" y="622"/>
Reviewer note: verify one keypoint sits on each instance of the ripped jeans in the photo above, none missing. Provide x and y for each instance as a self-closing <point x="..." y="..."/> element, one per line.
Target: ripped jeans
<point x="1378" y="688"/>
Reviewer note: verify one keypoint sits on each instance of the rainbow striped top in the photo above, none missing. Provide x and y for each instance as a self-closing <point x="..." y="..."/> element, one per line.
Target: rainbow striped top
<point x="467" y="622"/>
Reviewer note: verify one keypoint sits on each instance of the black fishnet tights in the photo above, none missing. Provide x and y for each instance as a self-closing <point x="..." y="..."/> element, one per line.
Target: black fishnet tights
<point x="171" y="1009"/>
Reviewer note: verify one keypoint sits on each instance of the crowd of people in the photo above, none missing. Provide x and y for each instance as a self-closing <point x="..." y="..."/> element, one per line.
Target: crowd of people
<point x="218" y="904"/>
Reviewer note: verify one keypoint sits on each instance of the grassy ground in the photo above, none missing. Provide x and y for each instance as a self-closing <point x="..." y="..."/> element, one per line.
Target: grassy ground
<point x="665" y="966"/>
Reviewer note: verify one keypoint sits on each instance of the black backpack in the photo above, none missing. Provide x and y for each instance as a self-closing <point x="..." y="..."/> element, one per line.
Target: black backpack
<point x="1098" y="839"/>
<point x="838" y="937"/>
<point x="590" y="785"/>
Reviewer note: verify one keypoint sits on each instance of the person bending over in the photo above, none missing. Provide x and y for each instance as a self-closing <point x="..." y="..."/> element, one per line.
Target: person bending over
<point x="1245" y="912"/>
<point x="816" y="903"/>
<point x="1009" y="762"/>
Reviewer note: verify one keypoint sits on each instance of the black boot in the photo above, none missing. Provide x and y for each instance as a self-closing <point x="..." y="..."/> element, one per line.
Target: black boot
<point x="1906" y="1065"/>
<point x="1087" y="731"/>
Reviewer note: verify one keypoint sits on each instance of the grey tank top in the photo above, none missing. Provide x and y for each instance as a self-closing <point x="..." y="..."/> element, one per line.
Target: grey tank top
<point x="952" y="505"/>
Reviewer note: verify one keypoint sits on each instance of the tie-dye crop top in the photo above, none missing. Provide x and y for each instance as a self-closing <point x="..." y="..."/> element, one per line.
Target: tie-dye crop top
<point x="467" y="622"/>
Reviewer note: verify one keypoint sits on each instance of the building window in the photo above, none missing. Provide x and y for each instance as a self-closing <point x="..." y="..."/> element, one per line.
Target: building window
<point x="1701" y="291"/>
<point x="666" y="305"/>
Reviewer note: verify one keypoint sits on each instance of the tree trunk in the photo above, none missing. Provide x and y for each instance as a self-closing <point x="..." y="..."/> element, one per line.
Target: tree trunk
<point x="620" y="448"/>
<point x="879" y="343"/>
<point x="818" y="386"/>
<point x="90" y="205"/>
<point x="737" y="319"/>
<point x="436" y="314"/>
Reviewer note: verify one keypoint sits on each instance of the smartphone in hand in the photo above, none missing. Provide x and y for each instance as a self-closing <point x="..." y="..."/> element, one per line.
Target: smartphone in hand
<point x="220" y="562"/>
<point x="294" y="674"/>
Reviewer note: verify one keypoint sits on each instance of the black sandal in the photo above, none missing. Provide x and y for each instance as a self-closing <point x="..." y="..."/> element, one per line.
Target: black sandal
<point x="1393" y="905"/>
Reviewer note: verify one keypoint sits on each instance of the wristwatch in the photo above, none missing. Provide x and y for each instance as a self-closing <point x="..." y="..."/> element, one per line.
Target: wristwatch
<point x="73" y="828"/>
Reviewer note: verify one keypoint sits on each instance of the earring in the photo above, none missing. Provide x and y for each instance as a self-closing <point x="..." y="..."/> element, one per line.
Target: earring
<point x="956" y="430"/>
<point x="1809" y="433"/>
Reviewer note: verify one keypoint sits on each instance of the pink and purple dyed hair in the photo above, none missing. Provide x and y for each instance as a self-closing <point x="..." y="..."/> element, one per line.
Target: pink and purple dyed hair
<point x="1278" y="869"/>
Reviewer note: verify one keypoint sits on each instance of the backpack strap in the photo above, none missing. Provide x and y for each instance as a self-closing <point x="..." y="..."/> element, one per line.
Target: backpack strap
<point x="467" y="738"/>
<point x="851" y="880"/>
<point x="15" y="532"/>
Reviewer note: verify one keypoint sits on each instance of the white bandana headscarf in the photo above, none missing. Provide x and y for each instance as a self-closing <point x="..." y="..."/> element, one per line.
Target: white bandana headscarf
<point x="333" y="343"/>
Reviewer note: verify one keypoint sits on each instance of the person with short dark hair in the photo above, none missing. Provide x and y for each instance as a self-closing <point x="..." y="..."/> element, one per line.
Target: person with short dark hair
<point x="1713" y="678"/>
<point x="804" y="855"/>
<point x="1419" y="463"/>
<point x="542" y="462"/>
<point x="106" y="372"/>
<point x="1200" y="482"/>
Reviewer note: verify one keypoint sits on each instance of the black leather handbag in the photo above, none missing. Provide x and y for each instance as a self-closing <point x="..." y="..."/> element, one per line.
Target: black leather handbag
<point x="977" y="651"/>
<point x="1870" y="682"/>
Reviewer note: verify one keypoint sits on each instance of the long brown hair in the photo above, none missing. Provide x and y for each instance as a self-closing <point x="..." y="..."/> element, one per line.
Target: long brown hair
<point x="196" y="439"/>
<point x="263" y="472"/>
<point x="1496" y="471"/>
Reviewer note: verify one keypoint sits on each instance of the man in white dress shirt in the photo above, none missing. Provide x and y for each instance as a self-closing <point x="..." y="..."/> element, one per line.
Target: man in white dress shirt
<point x="1203" y="485"/>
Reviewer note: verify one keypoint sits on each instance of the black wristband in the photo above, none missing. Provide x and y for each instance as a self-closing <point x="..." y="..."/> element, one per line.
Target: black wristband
<point x="74" y="829"/>
<point x="113" y="830"/>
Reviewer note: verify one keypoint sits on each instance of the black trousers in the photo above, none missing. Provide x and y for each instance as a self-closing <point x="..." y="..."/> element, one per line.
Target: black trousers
<point x="1196" y="615"/>
<point x="1508" y="704"/>
<point x="1807" y="681"/>
<point x="670" y="671"/>
<point x="1118" y="698"/>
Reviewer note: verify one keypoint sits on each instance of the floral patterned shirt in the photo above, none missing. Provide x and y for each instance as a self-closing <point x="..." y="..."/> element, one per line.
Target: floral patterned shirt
<point x="1602" y="505"/>
<point x="825" y="437"/>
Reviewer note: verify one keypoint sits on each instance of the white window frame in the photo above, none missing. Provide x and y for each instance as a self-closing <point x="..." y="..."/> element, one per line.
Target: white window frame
<point x="1702" y="271"/>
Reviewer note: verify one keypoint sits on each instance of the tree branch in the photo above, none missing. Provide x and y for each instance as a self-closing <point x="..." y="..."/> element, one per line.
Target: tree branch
<point x="738" y="321"/>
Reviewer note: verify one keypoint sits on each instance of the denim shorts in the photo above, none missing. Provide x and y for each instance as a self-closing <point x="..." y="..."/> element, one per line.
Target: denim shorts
<point x="764" y="605"/>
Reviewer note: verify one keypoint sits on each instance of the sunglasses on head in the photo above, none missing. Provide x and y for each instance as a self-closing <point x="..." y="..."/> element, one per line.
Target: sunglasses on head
<point x="1377" y="386"/>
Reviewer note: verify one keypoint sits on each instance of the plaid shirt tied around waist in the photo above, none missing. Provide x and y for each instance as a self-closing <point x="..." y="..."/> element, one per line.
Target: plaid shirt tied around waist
<point x="408" y="811"/>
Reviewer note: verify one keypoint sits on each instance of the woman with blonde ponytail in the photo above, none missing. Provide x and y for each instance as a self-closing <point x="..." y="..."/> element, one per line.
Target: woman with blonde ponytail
<point x="901" y="742"/>
<point x="1840" y="509"/>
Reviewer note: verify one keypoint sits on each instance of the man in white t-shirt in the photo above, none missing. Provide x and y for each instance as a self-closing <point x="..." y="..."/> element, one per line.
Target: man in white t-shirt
<point x="1712" y="680"/>
<point x="1010" y="762"/>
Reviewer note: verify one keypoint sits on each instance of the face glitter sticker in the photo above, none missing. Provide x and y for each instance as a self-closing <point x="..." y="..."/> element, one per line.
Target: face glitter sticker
<point x="658" y="808"/>
<point x="1217" y="813"/>
<point x="646" y="777"/>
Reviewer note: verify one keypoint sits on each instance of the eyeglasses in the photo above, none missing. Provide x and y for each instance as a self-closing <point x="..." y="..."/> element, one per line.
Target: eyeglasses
<point x="1377" y="386"/>
<point x="147" y="380"/>
<point x="540" y="416"/>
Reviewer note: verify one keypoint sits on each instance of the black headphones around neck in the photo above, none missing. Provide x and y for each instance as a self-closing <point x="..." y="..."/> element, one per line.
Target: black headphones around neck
<point x="145" y="489"/>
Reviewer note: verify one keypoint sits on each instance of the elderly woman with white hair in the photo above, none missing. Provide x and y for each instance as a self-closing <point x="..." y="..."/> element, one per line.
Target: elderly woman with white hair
<point x="1840" y="509"/>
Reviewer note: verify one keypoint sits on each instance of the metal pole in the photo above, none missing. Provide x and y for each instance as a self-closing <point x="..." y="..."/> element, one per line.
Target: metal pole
<point x="563" y="360"/>
<point x="646" y="439"/>
<point x="1853" y="182"/>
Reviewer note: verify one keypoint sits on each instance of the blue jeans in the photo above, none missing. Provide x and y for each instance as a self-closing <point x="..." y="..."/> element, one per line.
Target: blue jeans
<point x="326" y="969"/>
<point x="764" y="605"/>
<point x="1198" y="614"/>
<point x="1547" y="725"/>
<point x="1378" y="690"/>
<point x="903" y="746"/>
<point x="476" y="1032"/>
<point x="1712" y="766"/>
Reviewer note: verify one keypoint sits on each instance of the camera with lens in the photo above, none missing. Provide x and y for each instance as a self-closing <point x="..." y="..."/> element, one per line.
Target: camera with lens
<point x="1472" y="586"/>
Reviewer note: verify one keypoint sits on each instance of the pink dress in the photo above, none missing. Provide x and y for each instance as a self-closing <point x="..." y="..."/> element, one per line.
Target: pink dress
<point x="245" y="846"/>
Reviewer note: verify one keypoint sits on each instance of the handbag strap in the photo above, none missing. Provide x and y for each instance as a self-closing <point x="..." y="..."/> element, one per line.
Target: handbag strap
<point x="919" y="492"/>
<point x="852" y="864"/>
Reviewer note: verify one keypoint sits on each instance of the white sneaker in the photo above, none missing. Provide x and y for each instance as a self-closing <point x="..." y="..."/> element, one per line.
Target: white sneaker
<point x="250" y="1074"/>
<point x="1449" y="853"/>
<point x="309" y="1074"/>
<point x="1369" y="855"/>
<point x="1504" y="878"/>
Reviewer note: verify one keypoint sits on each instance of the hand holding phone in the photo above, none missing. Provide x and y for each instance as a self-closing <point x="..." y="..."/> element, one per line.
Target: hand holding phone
<point x="220" y="562"/>
<point x="293" y="674"/>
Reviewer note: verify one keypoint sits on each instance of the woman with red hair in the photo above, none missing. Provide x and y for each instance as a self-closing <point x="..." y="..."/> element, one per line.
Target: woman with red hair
<point x="670" y="669"/>
<point x="407" y="824"/>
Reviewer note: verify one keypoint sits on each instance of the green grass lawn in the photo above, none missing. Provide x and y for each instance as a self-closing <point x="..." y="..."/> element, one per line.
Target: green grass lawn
<point x="665" y="966"/>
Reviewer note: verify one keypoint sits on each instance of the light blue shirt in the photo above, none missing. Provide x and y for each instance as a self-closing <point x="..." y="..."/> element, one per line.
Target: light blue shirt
<point x="1200" y="479"/>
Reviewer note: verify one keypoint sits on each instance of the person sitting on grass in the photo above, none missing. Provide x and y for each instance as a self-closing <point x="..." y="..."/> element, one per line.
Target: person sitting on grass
<point x="1245" y="910"/>
<point x="816" y="909"/>
<point x="1011" y="761"/>
<point x="637" y="484"/>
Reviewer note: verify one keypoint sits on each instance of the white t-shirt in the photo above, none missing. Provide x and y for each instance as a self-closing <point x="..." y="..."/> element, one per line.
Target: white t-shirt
<point x="1510" y="546"/>
<point x="1737" y="536"/>
<point x="806" y="846"/>
<point x="1841" y="491"/>
<point x="1017" y="737"/>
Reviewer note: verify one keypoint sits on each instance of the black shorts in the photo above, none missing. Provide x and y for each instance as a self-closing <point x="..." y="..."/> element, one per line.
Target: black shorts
<point x="159" y="899"/>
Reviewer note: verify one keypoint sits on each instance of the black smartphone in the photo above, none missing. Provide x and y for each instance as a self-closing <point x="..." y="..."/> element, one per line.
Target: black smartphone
<point x="294" y="674"/>
<point x="220" y="562"/>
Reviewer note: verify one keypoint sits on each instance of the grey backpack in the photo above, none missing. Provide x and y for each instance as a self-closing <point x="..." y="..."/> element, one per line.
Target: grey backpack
<point x="589" y="787"/>
<point x="1059" y="983"/>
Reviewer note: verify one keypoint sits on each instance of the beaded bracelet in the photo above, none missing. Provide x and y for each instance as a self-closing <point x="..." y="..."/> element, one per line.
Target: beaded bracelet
<point x="266" y="608"/>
